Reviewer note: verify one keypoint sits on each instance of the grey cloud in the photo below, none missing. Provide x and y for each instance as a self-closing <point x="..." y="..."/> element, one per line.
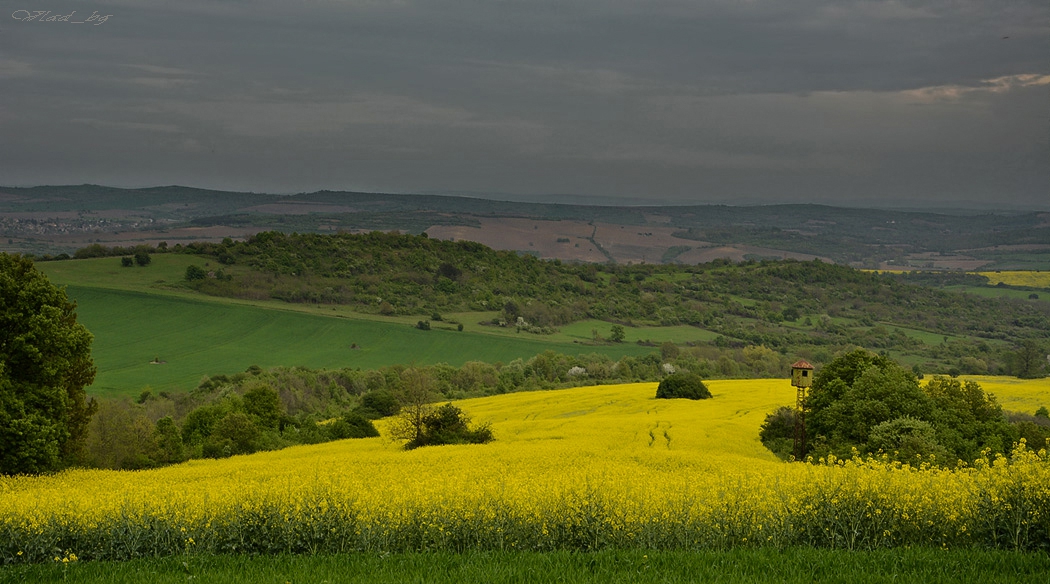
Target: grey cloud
<point x="685" y="100"/>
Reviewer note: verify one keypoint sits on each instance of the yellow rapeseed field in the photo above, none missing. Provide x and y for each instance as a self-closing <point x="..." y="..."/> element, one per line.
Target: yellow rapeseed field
<point x="583" y="468"/>
<point x="1032" y="279"/>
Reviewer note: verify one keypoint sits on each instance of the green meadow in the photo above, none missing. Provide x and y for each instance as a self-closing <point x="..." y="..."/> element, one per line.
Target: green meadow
<point x="151" y="332"/>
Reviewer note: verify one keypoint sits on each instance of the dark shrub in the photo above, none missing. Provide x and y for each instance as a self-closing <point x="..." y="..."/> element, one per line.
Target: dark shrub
<point x="352" y="425"/>
<point x="379" y="404"/>
<point x="779" y="424"/>
<point x="682" y="385"/>
<point x="449" y="425"/>
<point x="777" y="432"/>
<point x="195" y="273"/>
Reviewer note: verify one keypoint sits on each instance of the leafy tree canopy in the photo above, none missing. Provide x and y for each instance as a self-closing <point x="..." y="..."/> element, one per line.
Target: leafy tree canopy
<point x="45" y="364"/>
<point x="868" y="402"/>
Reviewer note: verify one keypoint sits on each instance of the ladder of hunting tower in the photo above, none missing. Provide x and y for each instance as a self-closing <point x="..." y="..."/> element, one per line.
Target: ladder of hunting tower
<point x="801" y="378"/>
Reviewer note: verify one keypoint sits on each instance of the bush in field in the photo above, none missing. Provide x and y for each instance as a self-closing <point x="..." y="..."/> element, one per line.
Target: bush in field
<point x="777" y="432"/>
<point x="379" y="404"/>
<point x="682" y="385"/>
<point x="448" y="424"/>
<point x="352" y="425"/>
<point x="195" y="272"/>
<point x="856" y="392"/>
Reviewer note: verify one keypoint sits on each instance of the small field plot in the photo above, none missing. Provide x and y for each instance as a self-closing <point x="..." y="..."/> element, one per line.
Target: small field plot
<point x="996" y="292"/>
<point x="165" y="271"/>
<point x="1018" y="395"/>
<point x="1031" y="279"/>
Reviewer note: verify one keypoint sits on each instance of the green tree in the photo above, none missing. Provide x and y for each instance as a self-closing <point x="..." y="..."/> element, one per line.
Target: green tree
<point x="235" y="433"/>
<point x="200" y="423"/>
<point x="416" y="398"/>
<point x="379" y="404"/>
<point x="45" y="364"/>
<point x="669" y="351"/>
<point x="448" y="424"/>
<point x="617" y="334"/>
<point x="967" y="419"/>
<point x="170" y="449"/>
<point x="263" y="402"/>
<point x="352" y="425"/>
<point x="856" y="392"/>
<point x="142" y="258"/>
<point x="1029" y="361"/>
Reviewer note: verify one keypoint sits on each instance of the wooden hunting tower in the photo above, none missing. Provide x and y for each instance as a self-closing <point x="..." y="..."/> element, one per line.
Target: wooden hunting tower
<point x="801" y="378"/>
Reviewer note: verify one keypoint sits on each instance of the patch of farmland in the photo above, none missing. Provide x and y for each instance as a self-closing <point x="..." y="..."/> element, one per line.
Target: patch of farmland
<point x="1031" y="279"/>
<point x="565" y="240"/>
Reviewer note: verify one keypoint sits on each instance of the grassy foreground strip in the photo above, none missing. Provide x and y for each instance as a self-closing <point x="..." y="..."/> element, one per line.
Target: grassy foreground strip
<point x="920" y="565"/>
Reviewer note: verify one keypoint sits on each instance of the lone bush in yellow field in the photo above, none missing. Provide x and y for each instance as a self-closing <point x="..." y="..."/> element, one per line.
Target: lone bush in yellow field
<point x="682" y="385"/>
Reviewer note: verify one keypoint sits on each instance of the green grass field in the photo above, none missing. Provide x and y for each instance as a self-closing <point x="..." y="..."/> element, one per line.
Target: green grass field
<point x="919" y="566"/>
<point x="142" y="314"/>
<point x="196" y="337"/>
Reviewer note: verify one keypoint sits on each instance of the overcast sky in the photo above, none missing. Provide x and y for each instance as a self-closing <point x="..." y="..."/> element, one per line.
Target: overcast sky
<point x="740" y="101"/>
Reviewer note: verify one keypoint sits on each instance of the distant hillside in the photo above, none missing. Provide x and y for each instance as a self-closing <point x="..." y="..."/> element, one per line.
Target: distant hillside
<point x="811" y="308"/>
<point x="52" y="220"/>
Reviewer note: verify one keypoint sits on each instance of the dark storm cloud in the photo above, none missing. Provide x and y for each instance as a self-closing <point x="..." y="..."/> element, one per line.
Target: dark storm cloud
<point x="891" y="102"/>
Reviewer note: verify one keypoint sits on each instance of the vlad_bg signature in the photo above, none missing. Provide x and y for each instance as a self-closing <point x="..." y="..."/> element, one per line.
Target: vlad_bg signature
<point x="48" y="16"/>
